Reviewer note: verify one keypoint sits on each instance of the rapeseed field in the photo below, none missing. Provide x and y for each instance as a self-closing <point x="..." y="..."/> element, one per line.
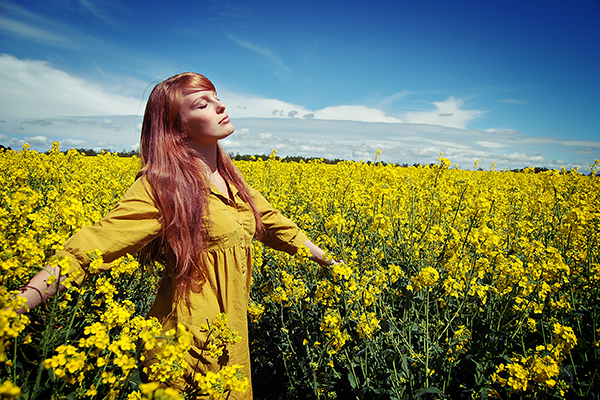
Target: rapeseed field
<point x="454" y="284"/>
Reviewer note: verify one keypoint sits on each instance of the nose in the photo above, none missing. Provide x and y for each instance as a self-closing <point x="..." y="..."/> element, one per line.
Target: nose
<point x="220" y="106"/>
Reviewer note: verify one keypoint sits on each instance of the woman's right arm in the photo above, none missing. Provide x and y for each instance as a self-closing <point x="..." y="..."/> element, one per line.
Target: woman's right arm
<point x="132" y="224"/>
<point x="38" y="289"/>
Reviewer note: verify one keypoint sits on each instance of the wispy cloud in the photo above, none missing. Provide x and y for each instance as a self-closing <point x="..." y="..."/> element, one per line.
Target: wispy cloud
<point x="37" y="121"/>
<point x="266" y="53"/>
<point x="503" y="131"/>
<point x="23" y="24"/>
<point x="29" y="31"/>
<point x="386" y="101"/>
<point x="513" y="101"/>
<point x="102" y="9"/>
<point x="230" y="10"/>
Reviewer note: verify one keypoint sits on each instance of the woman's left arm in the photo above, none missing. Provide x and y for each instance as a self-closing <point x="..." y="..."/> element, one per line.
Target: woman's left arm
<point x="318" y="255"/>
<point x="283" y="234"/>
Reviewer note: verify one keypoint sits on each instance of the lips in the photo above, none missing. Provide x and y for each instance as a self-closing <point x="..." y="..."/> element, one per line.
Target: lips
<point x="224" y="120"/>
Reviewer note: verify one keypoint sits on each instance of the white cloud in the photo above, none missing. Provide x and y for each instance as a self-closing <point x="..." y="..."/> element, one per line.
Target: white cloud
<point x="247" y="106"/>
<point x="447" y="113"/>
<point x="229" y="144"/>
<point x="34" y="89"/>
<point x="530" y="159"/>
<point x="34" y="95"/>
<point x="37" y="140"/>
<point x="16" y="143"/>
<point x="244" y="132"/>
<point x="87" y="132"/>
<point x="354" y="113"/>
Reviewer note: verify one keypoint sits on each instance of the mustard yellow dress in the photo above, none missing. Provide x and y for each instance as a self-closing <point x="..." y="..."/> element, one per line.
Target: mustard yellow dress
<point x="133" y="224"/>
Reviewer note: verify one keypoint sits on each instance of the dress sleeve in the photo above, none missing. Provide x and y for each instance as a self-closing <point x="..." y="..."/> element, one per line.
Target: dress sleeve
<point x="131" y="225"/>
<point x="280" y="233"/>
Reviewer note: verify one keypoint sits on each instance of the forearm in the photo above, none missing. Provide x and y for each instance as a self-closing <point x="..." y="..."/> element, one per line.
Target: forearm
<point x="41" y="287"/>
<point x="317" y="253"/>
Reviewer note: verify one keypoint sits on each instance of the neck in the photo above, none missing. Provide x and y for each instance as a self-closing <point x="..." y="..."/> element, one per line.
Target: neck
<point x="210" y="153"/>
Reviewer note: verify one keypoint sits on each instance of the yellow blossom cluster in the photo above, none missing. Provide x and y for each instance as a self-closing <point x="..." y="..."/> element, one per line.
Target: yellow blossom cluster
<point x="541" y="368"/>
<point x="442" y="269"/>
<point x="8" y="391"/>
<point x="153" y="391"/>
<point x="168" y="361"/>
<point x="426" y="278"/>
<point x="66" y="363"/>
<point x="11" y="324"/>
<point x="331" y="325"/>
<point x="368" y="323"/>
<point x="220" y="335"/>
<point x="255" y="311"/>
<point x="459" y="342"/>
<point x="219" y="385"/>
<point x="442" y="258"/>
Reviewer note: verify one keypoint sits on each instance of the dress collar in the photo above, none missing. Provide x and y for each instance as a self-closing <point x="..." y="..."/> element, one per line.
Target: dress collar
<point x="232" y="189"/>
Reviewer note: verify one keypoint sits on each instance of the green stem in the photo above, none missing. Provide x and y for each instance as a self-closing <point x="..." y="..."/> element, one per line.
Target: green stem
<point x="427" y="339"/>
<point x="45" y="348"/>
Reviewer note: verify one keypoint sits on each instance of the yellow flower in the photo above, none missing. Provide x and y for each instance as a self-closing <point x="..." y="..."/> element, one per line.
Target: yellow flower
<point x="9" y="391"/>
<point x="220" y="335"/>
<point x="426" y="278"/>
<point x="219" y="385"/>
<point x="367" y="325"/>
<point x="148" y="388"/>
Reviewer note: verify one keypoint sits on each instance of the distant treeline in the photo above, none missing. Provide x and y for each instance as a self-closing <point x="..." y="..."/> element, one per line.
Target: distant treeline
<point x="91" y="152"/>
<point x="247" y="157"/>
<point x="122" y="153"/>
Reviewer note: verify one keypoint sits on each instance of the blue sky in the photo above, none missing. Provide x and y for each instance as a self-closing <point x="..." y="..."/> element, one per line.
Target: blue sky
<point x="511" y="82"/>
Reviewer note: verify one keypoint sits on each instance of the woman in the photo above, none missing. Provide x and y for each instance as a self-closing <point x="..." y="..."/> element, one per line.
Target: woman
<point x="190" y="209"/>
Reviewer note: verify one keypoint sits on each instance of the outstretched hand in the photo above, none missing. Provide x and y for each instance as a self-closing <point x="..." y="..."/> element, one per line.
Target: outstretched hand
<point x="318" y="255"/>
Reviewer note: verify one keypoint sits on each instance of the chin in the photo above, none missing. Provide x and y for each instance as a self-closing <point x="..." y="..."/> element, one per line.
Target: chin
<point x="230" y="131"/>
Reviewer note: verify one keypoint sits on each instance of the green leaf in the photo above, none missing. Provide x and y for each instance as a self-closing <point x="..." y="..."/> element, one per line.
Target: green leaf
<point x="431" y="389"/>
<point x="352" y="381"/>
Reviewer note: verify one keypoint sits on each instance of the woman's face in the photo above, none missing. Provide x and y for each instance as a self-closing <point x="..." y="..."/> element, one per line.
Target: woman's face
<point x="204" y="118"/>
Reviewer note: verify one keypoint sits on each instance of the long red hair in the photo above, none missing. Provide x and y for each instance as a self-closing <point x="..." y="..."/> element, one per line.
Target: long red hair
<point x="180" y="190"/>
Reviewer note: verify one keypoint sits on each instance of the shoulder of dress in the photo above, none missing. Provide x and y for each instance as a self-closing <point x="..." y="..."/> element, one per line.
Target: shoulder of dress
<point x="141" y="189"/>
